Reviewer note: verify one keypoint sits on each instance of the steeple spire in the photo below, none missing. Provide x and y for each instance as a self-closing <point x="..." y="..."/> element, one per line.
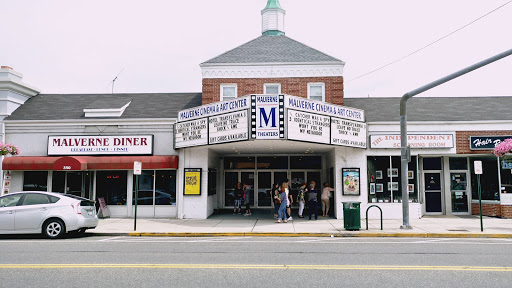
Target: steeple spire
<point x="272" y="17"/>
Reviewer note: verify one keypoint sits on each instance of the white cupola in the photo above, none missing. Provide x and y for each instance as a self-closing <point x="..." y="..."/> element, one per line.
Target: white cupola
<point x="272" y="19"/>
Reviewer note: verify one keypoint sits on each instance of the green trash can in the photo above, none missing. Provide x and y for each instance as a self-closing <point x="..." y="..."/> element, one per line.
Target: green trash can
<point x="352" y="215"/>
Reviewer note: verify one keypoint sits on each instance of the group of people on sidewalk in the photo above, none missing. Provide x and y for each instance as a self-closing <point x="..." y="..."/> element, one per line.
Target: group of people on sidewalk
<point x="305" y="196"/>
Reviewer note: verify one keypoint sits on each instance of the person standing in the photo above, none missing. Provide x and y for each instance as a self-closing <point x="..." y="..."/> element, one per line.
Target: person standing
<point x="326" y="195"/>
<point x="288" y="198"/>
<point x="247" y="199"/>
<point x="239" y="194"/>
<point x="276" y="195"/>
<point x="312" y="200"/>
<point x="301" y="198"/>
<point x="282" y="208"/>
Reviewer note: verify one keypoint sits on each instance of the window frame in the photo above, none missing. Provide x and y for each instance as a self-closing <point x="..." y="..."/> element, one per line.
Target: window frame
<point x="231" y="85"/>
<point x="272" y="84"/>
<point x="322" y="84"/>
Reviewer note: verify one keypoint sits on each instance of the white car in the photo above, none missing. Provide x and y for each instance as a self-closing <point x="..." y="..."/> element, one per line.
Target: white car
<point x="52" y="214"/>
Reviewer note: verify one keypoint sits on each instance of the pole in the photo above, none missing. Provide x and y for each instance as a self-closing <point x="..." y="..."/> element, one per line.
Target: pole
<point x="480" y="203"/>
<point x="403" y="124"/>
<point x="136" y="200"/>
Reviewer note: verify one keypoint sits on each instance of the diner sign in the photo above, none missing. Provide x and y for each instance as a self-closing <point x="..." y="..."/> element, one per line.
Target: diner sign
<point x="485" y="142"/>
<point x="101" y="145"/>
<point x="348" y="133"/>
<point x="191" y="133"/>
<point x="229" y="127"/>
<point x="421" y="141"/>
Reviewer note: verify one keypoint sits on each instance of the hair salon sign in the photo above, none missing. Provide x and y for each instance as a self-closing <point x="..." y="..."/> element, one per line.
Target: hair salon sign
<point x="101" y="145"/>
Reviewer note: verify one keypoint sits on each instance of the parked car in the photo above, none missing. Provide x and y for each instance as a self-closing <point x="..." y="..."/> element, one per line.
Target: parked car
<point x="52" y="214"/>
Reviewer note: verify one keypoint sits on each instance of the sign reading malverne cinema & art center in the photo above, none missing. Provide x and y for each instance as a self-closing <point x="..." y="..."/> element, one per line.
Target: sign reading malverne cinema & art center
<point x="101" y="145"/>
<point x="271" y="117"/>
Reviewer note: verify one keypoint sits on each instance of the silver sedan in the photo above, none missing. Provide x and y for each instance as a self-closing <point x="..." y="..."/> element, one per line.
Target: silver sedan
<point x="52" y="214"/>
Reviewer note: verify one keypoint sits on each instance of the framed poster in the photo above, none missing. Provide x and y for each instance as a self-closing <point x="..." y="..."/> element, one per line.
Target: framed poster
<point x="379" y="188"/>
<point x="351" y="181"/>
<point x="378" y="174"/>
<point x="372" y="188"/>
<point x="410" y="188"/>
<point x="192" y="181"/>
<point x="410" y="174"/>
<point x="393" y="172"/>
<point x="393" y="186"/>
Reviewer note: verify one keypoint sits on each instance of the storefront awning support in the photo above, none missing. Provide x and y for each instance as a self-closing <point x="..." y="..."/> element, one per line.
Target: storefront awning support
<point x="403" y="125"/>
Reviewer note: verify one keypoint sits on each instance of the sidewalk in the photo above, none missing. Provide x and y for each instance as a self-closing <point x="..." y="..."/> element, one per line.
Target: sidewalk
<point x="260" y="225"/>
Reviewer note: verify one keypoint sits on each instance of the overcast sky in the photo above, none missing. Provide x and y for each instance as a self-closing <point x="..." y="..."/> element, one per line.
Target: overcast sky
<point x="65" y="46"/>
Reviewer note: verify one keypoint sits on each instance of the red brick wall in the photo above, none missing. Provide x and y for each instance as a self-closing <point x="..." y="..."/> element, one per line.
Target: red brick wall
<point x="506" y="211"/>
<point x="487" y="209"/>
<point x="462" y="138"/>
<point x="292" y="86"/>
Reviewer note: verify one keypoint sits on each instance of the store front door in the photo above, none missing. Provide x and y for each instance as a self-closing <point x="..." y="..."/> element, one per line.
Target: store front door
<point x="433" y="193"/>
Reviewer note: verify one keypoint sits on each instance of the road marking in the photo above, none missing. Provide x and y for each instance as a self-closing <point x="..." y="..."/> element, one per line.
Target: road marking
<point x="254" y="266"/>
<point x="110" y="239"/>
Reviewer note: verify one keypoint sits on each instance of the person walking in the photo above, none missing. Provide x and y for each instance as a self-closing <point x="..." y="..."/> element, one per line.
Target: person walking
<point x="247" y="199"/>
<point x="276" y="196"/>
<point x="312" y="200"/>
<point x="239" y="194"/>
<point x="289" y="200"/>
<point x="326" y="195"/>
<point x="281" y="214"/>
<point x="301" y="198"/>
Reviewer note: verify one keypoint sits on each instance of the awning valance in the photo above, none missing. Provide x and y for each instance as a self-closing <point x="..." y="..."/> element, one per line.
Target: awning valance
<point x="80" y="163"/>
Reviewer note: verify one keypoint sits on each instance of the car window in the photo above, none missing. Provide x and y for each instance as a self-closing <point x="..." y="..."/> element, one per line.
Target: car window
<point x="9" y="201"/>
<point x="35" y="199"/>
<point x="54" y="199"/>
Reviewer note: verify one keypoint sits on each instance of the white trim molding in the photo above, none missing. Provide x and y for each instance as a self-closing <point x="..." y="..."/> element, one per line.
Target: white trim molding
<point x="272" y="71"/>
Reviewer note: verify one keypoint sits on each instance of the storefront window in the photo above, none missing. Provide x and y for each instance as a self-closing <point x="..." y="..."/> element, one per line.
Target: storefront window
<point x="111" y="185"/>
<point x="384" y="174"/>
<point x="35" y="181"/>
<point x="506" y="174"/>
<point x="239" y="163"/>
<point x="165" y="184"/>
<point x="458" y="163"/>
<point x="488" y="180"/>
<point x="58" y="181"/>
<point x="305" y="162"/>
<point x="273" y="162"/>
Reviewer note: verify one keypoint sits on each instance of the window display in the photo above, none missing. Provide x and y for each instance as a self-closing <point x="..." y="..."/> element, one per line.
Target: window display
<point x="385" y="184"/>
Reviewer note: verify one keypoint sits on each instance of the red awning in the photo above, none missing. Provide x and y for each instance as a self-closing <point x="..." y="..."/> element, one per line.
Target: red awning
<point x="88" y="162"/>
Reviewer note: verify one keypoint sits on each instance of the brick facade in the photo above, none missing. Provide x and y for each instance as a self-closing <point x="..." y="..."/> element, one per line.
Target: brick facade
<point x="291" y="86"/>
<point x="462" y="138"/>
<point x="493" y="210"/>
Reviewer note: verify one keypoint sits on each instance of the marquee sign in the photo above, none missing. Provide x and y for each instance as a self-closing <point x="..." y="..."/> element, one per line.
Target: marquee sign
<point x="421" y="141"/>
<point x="100" y="145"/>
<point x="271" y="117"/>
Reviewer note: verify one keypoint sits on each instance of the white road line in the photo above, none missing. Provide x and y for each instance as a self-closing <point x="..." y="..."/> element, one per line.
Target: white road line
<point x="110" y="239"/>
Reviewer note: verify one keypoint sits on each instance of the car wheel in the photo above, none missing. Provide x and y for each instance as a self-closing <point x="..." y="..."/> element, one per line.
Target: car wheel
<point x="53" y="229"/>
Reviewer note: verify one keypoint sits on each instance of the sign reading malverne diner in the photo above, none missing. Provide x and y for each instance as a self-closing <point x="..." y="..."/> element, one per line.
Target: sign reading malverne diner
<point x="427" y="141"/>
<point x="101" y="145"/>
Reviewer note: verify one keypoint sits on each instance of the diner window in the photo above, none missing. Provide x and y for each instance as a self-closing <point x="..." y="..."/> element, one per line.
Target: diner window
<point x="156" y="187"/>
<point x="35" y="181"/>
<point x="384" y="176"/>
<point x="58" y="181"/>
<point x="488" y="180"/>
<point x="112" y="186"/>
<point x="228" y="92"/>
<point x="272" y="88"/>
<point x="316" y="91"/>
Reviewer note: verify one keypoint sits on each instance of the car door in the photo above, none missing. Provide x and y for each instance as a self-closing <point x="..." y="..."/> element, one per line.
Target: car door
<point x="8" y="210"/>
<point x="32" y="211"/>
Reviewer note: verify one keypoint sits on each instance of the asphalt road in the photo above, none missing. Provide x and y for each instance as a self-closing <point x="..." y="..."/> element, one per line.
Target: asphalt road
<point x="254" y="262"/>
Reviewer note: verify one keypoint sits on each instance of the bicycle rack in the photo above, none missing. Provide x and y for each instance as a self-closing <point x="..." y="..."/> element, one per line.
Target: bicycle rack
<point x="381" y="226"/>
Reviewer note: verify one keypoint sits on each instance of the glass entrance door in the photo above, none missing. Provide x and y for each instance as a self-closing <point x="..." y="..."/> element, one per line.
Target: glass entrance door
<point x="433" y="192"/>
<point x="458" y="188"/>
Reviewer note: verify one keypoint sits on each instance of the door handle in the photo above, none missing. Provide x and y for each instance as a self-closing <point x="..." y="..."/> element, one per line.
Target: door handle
<point x="44" y="209"/>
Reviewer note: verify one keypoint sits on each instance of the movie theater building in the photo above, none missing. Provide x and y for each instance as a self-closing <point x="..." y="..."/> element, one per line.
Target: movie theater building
<point x="271" y="109"/>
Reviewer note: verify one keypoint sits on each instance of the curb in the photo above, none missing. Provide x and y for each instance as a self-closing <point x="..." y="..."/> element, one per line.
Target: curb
<point x="300" y="234"/>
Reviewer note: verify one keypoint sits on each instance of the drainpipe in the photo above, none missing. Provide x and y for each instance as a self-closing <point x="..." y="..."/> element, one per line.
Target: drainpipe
<point x="403" y="125"/>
